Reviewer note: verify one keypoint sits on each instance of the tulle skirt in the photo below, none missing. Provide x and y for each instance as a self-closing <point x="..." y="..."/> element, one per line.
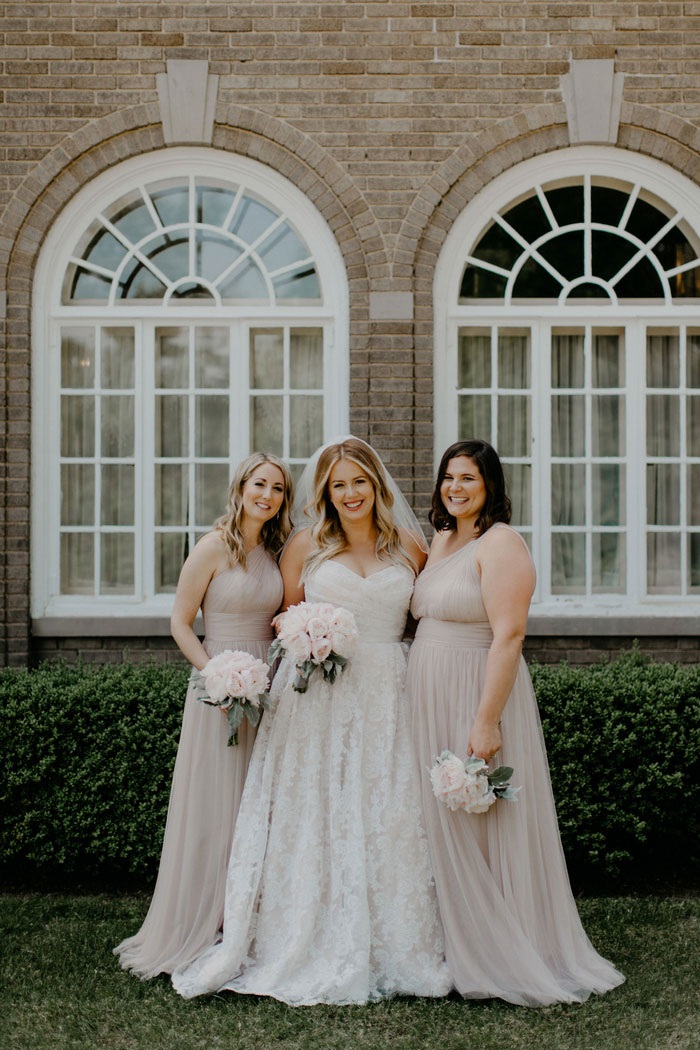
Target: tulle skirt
<point x="511" y="925"/>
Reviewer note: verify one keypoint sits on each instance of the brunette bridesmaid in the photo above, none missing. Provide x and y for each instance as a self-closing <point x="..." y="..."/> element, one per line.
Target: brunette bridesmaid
<point x="232" y="574"/>
<point x="511" y="925"/>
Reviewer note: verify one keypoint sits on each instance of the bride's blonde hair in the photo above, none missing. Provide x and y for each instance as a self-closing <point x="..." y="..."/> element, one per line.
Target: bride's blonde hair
<point x="275" y="532"/>
<point x="327" y="533"/>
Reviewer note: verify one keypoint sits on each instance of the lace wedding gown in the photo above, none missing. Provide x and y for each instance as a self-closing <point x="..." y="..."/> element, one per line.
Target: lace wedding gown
<point x="188" y="901"/>
<point x="511" y="925"/>
<point x="329" y="893"/>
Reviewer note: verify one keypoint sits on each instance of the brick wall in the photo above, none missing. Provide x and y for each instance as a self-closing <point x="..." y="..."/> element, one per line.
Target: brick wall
<point x="389" y="115"/>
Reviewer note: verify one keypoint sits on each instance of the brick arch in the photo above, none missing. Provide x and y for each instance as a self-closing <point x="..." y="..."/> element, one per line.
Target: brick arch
<point x="646" y="131"/>
<point x="76" y="161"/>
<point x="103" y="143"/>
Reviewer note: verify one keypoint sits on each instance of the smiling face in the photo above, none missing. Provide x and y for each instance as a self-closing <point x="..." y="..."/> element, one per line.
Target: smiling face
<point x="350" y="491"/>
<point x="462" y="489"/>
<point x="263" y="493"/>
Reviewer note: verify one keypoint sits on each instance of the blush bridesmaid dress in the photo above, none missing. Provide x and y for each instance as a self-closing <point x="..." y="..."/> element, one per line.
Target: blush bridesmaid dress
<point x="511" y="925"/>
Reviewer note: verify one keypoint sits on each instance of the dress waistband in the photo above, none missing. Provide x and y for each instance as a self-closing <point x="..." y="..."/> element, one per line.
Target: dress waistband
<point x="229" y="626"/>
<point x="455" y="633"/>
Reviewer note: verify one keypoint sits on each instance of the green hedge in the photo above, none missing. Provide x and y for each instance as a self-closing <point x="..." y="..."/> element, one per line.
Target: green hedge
<point x="86" y="754"/>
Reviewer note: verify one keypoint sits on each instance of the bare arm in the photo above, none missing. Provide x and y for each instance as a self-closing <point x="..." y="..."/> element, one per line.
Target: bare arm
<point x="507" y="583"/>
<point x="207" y="557"/>
<point x="291" y="564"/>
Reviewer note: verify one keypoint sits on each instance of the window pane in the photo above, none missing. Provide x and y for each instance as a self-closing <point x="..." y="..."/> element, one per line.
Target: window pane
<point x="305" y="425"/>
<point x="693" y="359"/>
<point x="608" y="425"/>
<point x="693" y="413"/>
<point x="514" y="426"/>
<point x="519" y="488"/>
<point x="251" y="219"/>
<point x="118" y="426"/>
<point x="266" y="422"/>
<point x="77" y="494"/>
<point x="608" y="361"/>
<point x="608" y="492"/>
<point x="474" y="359"/>
<point x="77" y="563"/>
<point x="117" y="563"/>
<point x="301" y="285"/>
<point x="475" y="416"/>
<point x="172" y="492"/>
<point x="568" y="494"/>
<point x="211" y="426"/>
<point x="245" y="282"/>
<point x="282" y="248"/>
<point x="694" y="562"/>
<point x="568" y="425"/>
<point x="694" y="494"/>
<point x="567" y="360"/>
<point x="513" y="359"/>
<point x="662" y="361"/>
<point x="77" y="425"/>
<point x="117" y="358"/>
<point x="663" y="563"/>
<point x="211" y="481"/>
<point x="213" y="255"/>
<point x="77" y="357"/>
<point x="266" y="359"/>
<point x="172" y="357"/>
<point x="306" y="359"/>
<point x="117" y="494"/>
<point x="171" y="549"/>
<point x="663" y="494"/>
<point x="172" y="426"/>
<point x="211" y="357"/>
<point x="608" y="568"/>
<point x="663" y="425"/>
<point x="568" y="563"/>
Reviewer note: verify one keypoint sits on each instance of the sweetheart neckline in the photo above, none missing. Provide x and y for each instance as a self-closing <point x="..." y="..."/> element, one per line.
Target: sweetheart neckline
<point x="334" y="561"/>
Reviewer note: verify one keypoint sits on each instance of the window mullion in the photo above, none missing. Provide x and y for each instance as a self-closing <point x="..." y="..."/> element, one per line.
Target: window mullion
<point x="635" y="364"/>
<point x="541" y="454"/>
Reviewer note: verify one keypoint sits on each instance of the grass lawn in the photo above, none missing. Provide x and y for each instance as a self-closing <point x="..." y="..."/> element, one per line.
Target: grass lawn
<point x="62" y="989"/>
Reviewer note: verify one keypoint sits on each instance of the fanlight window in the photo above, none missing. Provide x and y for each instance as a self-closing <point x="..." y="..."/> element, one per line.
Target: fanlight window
<point x="190" y="238"/>
<point x="584" y="239"/>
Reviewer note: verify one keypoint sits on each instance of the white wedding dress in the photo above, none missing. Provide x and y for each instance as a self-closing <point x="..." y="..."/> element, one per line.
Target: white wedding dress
<point x="329" y="896"/>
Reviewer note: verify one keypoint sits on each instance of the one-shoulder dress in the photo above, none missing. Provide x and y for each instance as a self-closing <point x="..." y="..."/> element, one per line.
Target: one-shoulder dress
<point x="511" y="925"/>
<point x="330" y="897"/>
<point x="187" y="907"/>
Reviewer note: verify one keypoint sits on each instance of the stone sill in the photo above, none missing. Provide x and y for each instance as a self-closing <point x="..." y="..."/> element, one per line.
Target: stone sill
<point x="537" y="626"/>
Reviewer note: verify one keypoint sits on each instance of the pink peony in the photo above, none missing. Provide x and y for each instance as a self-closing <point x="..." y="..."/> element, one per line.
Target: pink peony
<point x="320" y="649"/>
<point x="298" y="647"/>
<point x="448" y="778"/>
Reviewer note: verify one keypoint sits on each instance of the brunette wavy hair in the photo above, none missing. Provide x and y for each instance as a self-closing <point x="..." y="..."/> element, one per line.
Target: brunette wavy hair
<point x="497" y="506"/>
<point x="327" y="533"/>
<point x="275" y="532"/>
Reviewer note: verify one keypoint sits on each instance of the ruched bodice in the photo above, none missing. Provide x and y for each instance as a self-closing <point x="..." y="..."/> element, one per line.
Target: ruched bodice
<point x="379" y="602"/>
<point x="451" y="589"/>
<point x="240" y="603"/>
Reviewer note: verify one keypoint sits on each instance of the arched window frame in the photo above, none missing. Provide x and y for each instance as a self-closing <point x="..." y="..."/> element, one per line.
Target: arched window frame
<point x="50" y="609"/>
<point x="682" y="196"/>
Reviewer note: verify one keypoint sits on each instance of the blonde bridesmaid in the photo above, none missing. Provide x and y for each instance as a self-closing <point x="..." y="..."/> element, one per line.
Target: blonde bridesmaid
<point x="232" y="575"/>
<point x="510" y="921"/>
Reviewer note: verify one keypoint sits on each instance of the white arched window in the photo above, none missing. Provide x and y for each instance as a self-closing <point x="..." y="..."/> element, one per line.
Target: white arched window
<point x="568" y="334"/>
<point x="189" y="306"/>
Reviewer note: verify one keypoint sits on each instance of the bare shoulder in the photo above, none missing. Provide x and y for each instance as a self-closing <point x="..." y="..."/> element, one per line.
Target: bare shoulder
<point x="440" y="540"/>
<point x="413" y="545"/>
<point x="504" y="545"/>
<point x="297" y="548"/>
<point x="210" y="551"/>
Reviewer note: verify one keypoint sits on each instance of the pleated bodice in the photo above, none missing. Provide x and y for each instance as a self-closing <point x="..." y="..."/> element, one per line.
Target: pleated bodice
<point x="240" y="603"/>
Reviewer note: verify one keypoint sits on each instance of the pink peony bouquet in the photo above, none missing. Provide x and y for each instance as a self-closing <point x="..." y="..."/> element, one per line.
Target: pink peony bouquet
<point x="311" y="635"/>
<point x="468" y="785"/>
<point x="236" y="682"/>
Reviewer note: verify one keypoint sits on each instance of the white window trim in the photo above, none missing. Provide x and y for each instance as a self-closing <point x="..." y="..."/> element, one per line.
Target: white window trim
<point x="67" y="614"/>
<point x="604" y="614"/>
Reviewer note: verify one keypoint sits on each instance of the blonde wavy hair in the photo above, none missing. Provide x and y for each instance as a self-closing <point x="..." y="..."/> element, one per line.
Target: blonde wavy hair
<point x="275" y="532"/>
<point x="327" y="533"/>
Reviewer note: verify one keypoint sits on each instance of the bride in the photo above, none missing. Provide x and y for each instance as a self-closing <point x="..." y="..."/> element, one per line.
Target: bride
<point x="329" y="893"/>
